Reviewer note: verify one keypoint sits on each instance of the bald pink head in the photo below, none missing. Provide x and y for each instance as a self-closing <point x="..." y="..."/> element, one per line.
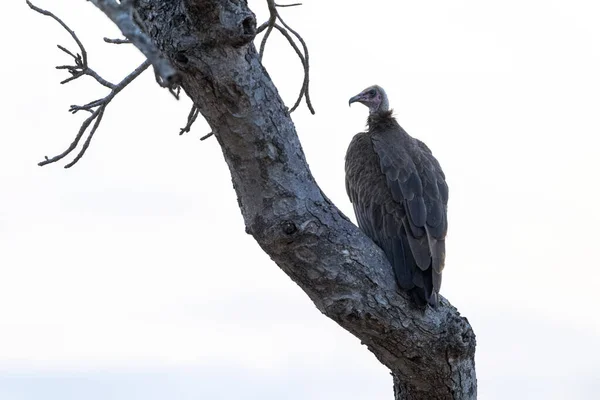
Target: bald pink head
<point x="374" y="98"/>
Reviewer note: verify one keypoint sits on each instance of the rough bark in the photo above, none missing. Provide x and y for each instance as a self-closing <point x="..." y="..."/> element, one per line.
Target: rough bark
<point x="431" y="352"/>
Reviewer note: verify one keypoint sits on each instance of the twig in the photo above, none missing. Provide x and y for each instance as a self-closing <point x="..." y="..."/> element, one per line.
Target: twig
<point x="207" y="136"/>
<point x="290" y="40"/>
<point x="122" y="15"/>
<point x="117" y="41"/>
<point x="302" y="54"/>
<point x="73" y="35"/>
<point x="192" y="116"/>
<point x="269" y="24"/>
<point x="98" y="116"/>
<point x="97" y="109"/>
<point x="81" y="66"/>
<point x="304" y="91"/>
<point x="190" y="120"/>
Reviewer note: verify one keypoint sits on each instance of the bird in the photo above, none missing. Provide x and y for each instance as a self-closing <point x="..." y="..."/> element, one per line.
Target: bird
<point x="400" y="198"/>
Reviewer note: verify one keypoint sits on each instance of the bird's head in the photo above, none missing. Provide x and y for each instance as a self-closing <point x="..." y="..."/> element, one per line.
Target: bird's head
<point x="374" y="98"/>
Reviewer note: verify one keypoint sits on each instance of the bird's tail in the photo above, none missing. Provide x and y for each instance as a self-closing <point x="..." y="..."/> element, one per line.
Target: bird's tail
<point x="419" y="297"/>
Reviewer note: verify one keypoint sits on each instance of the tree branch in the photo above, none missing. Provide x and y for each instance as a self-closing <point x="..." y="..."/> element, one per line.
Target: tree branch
<point x="117" y="41"/>
<point x="190" y="120"/>
<point x="303" y="55"/>
<point x="122" y="15"/>
<point x="207" y="136"/>
<point x="288" y="5"/>
<point x="97" y="109"/>
<point x="81" y="66"/>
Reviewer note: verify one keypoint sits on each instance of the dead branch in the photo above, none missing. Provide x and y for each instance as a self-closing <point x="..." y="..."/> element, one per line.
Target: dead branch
<point x="117" y="41"/>
<point x="97" y="109"/>
<point x="194" y="112"/>
<point x="303" y="55"/>
<point x="122" y="15"/>
<point x="81" y="66"/>
<point x="207" y="136"/>
<point x="190" y="120"/>
<point x="269" y="25"/>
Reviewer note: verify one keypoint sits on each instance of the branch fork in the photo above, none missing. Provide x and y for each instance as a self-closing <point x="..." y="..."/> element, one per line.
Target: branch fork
<point x="285" y="30"/>
<point x="96" y="107"/>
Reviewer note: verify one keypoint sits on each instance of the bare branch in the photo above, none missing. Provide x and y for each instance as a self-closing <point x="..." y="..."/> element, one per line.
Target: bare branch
<point x="69" y="53"/>
<point x="304" y="91"/>
<point x="98" y="117"/>
<point x="303" y="55"/>
<point x="190" y="120"/>
<point x="97" y="109"/>
<point x="99" y="79"/>
<point x="73" y="35"/>
<point x="290" y="40"/>
<point x="122" y="15"/>
<point x="207" y="136"/>
<point x="269" y="25"/>
<point x="288" y="5"/>
<point x="81" y="66"/>
<point x="117" y="41"/>
<point x="87" y="107"/>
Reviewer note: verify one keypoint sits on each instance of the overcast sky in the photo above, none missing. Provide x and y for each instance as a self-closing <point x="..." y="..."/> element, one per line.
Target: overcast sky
<point x="130" y="276"/>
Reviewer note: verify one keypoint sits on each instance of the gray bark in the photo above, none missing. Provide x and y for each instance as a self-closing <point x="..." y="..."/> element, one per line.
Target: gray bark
<point x="209" y="43"/>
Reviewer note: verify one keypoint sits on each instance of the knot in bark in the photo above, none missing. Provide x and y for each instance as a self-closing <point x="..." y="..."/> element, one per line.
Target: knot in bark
<point x="289" y="228"/>
<point x="221" y="22"/>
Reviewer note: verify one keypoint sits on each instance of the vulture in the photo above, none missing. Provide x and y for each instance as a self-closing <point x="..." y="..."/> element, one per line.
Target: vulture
<point x="399" y="194"/>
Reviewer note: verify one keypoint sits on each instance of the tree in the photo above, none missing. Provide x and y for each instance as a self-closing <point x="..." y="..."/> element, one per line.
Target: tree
<point x="205" y="48"/>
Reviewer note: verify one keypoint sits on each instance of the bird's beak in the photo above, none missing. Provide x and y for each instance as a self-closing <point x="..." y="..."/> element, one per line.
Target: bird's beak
<point x="354" y="99"/>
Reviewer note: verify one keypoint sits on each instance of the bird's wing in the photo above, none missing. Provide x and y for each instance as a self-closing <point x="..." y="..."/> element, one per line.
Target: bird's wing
<point x="377" y="214"/>
<point x="416" y="183"/>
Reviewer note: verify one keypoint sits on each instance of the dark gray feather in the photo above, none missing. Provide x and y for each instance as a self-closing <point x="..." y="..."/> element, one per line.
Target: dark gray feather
<point x="400" y="197"/>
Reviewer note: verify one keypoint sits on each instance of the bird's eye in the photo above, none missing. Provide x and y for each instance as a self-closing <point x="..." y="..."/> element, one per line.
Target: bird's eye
<point x="372" y="93"/>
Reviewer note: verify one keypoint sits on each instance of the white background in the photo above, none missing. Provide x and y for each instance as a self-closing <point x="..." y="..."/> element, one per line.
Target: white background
<point x="130" y="275"/>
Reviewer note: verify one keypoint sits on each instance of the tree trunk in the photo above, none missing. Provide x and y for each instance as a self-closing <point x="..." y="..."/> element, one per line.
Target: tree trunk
<point x="209" y="42"/>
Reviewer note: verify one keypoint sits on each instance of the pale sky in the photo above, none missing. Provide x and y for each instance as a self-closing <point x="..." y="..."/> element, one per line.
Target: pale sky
<point x="130" y="275"/>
